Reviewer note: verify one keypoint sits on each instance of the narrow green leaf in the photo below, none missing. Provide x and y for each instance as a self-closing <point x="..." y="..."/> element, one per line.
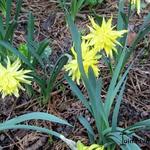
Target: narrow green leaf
<point x="40" y="49"/>
<point x="42" y="46"/>
<point x="117" y="107"/>
<point x="10" y="31"/>
<point x="121" y="131"/>
<point x="99" y="105"/>
<point x="122" y="24"/>
<point x="30" y="28"/>
<point x="8" y="11"/>
<point x="8" y="46"/>
<point x="107" y="61"/>
<point x="41" y="82"/>
<point x="18" y="8"/>
<point x="35" y="115"/>
<point x="113" y="82"/>
<point x="2" y="32"/>
<point x="117" y="87"/>
<point x="99" y="111"/>
<point x="30" y="127"/>
<point x="73" y="8"/>
<point x="142" y="124"/>
<point x="88" y="127"/>
<point x="34" y="54"/>
<point x="145" y="29"/>
<point x="120" y="140"/>
<point x="78" y="93"/>
<point x="3" y="7"/>
<point x="92" y="78"/>
<point x="120" y="21"/>
<point x="146" y="21"/>
<point x="80" y="3"/>
<point x="56" y="70"/>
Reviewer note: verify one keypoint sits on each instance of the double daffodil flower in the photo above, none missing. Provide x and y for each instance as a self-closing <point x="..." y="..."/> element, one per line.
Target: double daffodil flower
<point x="101" y="37"/>
<point x="89" y="58"/>
<point x="11" y="78"/>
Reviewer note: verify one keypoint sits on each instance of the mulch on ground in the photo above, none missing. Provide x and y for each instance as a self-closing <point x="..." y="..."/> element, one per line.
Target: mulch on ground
<point x="50" y="23"/>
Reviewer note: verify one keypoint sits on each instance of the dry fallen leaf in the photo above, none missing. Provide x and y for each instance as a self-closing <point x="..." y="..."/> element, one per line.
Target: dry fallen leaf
<point x="131" y="37"/>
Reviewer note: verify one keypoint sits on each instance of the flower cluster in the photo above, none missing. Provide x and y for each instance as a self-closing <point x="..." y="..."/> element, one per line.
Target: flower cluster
<point x="101" y="37"/>
<point x="11" y="78"/>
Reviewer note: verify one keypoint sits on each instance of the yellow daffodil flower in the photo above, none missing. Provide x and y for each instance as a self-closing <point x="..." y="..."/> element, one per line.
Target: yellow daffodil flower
<point x="136" y="4"/>
<point x="11" y="78"/>
<point x="103" y="37"/>
<point x="81" y="146"/>
<point x="90" y="59"/>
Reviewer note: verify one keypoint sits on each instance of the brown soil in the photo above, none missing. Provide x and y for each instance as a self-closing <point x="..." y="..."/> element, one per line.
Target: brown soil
<point x="50" y="23"/>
